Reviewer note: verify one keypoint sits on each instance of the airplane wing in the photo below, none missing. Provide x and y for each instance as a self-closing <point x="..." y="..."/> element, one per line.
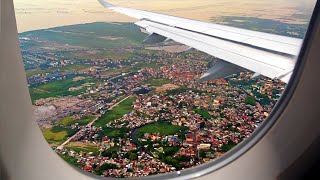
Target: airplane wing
<point x="265" y="54"/>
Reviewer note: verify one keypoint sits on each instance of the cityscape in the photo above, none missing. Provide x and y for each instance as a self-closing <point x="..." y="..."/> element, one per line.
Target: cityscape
<point x="131" y="109"/>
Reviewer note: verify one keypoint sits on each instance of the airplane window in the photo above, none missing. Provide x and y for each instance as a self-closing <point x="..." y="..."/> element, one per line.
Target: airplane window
<point x="121" y="92"/>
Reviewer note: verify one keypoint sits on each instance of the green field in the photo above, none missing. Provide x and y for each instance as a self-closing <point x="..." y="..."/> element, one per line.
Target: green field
<point x="250" y="101"/>
<point x="69" y="120"/>
<point x="170" y="150"/>
<point x="156" y="82"/>
<point x="115" y="133"/>
<point x="117" y="112"/>
<point x="146" y="51"/>
<point x="38" y="71"/>
<point x="74" y="67"/>
<point x="203" y="113"/>
<point x="38" y="94"/>
<point x="90" y="35"/>
<point x="179" y="90"/>
<point x="165" y="128"/>
<point x="109" y="53"/>
<point x="83" y="148"/>
<point x="86" y="149"/>
<point x="57" y="134"/>
<point x="268" y="25"/>
<point x="71" y="67"/>
<point x="58" y="88"/>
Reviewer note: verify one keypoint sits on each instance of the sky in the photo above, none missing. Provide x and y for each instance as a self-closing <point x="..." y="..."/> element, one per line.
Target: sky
<point x="43" y="14"/>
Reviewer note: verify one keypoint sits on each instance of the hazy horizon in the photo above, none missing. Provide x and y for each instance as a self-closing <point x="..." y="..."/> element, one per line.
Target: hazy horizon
<point x="43" y="14"/>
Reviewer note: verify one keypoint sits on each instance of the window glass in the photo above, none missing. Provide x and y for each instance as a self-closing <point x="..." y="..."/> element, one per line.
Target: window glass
<point x="110" y="103"/>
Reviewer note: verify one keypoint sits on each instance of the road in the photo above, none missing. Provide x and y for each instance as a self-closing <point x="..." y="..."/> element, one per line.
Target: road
<point x="89" y="124"/>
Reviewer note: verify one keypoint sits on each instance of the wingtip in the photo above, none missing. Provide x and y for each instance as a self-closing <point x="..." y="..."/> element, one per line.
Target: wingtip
<point x="105" y="4"/>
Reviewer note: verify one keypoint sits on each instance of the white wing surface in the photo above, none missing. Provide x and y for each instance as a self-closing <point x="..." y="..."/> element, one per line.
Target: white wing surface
<point x="267" y="54"/>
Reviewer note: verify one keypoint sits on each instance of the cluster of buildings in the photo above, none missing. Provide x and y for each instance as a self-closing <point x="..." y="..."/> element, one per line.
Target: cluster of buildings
<point x="118" y="157"/>
<point x="214" y="113"/>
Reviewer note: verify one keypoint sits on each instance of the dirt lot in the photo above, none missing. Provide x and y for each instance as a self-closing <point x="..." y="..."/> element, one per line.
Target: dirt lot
<point x="166" y="87"/>
<point x="42" y="113"/>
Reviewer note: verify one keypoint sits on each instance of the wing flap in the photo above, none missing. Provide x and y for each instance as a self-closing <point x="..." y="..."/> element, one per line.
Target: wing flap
<point x="219" y="70"/>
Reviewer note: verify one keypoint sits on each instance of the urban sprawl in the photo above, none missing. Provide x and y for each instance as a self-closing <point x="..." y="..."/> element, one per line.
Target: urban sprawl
<point x="143" y="114"/>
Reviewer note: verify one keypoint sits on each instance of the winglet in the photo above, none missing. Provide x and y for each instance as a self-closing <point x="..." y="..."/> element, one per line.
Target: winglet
<point x="105" y="4"/>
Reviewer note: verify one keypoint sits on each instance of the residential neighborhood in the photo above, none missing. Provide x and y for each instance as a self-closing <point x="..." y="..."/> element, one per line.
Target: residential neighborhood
<point x="134" y="111"/>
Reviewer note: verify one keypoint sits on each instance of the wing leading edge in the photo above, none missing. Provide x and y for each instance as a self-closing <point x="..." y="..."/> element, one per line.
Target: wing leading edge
<point x="270" y="55"/>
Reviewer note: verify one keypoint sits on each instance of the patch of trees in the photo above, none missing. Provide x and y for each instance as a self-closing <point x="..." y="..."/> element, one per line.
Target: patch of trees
<point x="227" y="147"/>
<point x="106" y="166"/>
<point x="111" y="152"/>
<point x="250" y="101"/>
<point x="132" y="155"/>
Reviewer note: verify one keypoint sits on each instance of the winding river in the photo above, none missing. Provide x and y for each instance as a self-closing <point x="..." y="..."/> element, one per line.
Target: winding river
<point x="136" y="142"/>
